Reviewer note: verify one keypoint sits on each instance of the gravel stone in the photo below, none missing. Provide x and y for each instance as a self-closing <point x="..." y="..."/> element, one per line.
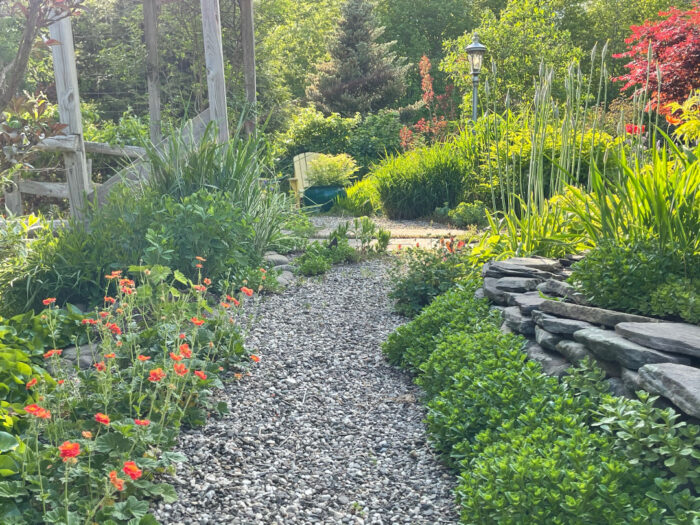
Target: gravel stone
<point x="324" y="430"/>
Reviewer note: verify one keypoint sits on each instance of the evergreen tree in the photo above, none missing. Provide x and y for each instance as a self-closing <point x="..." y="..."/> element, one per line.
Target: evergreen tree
<point x="363" y="75"/>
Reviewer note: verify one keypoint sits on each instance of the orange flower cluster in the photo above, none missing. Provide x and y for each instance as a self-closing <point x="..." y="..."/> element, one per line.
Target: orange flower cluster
<point x="197" y="322"/>
<point x="116" y="481"/>
<point x="101" y="367"/>
<point x="37" y="411"/>
<point x="201" y="375"/>
<point x="185" y="350"/>
<point x="156" y="375"/>
<point x="102" y="418"/>
<point x="69" y="450"/>
<point x="255" y="358"/>
<point x="33" y="381"/>
<point x="247" y="291"/>
<point x="142" y="422"/>
<point x="52" y="353"/>
<point x="48" y="301"/>
<point x="180" y="369"/>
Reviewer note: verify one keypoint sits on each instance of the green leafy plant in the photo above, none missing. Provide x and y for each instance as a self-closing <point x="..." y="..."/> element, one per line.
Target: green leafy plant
<point x="468" y="214"/>
<point x="362" y="199"/>
<point x="677" y="297"/>
<point x="420" y="275"/>
<point x="331" y="170"/>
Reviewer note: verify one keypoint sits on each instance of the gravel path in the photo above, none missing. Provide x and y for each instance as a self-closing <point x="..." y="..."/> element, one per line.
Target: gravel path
<point x="400" y="229"/>
<point x="324" y="431"/>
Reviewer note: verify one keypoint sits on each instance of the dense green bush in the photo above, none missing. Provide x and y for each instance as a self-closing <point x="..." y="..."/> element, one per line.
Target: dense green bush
<point x="367" y="139"/>
<point x="331" y="170"/>
<point x="420" y="275"/>
<point x="469" y="214"/>
<point x="639" y="278"/>
<point x="413" y="184"/>
<point x="413" y="343"/>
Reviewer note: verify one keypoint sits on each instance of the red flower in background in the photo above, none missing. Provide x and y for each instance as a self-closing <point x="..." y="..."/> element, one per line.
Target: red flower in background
<point x="197" y="322"/>
<point x="142" y="422"/>
<point x="52" y="353"/>
<point x="180" y="369"/>
<point x="247" y="291"/>
<point x="201" y="375"/>
<point x="142" y="357"/>
<point x="632" y="129"/>
<point x="102" y="418"/>
<point x="48" y="301"/>
<point x="255" y="358"/>
<point x="185" y="350"/>
<point x="33" y="381"/>
<point x="101" y="367"/>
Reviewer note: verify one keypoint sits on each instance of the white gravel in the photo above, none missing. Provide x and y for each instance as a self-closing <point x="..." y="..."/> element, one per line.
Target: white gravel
<point x="324" y="431"/>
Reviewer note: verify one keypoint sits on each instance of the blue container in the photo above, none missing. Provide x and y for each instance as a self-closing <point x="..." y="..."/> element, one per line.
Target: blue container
<point x="322" y="197"/>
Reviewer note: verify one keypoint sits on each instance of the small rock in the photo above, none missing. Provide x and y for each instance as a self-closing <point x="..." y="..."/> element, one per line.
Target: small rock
<point x="527" y="302"/>
<point x="617" y="387"/>
<point x="631" y="379"/>
<point x="561" y="289"/>
<point x="576" y="353"/>
<point x="88" y="355"/>
<point x="552" y="364"/>
<point x="275" y="259"/>
<point x="559" y="325"/>
<point x="516" y="284"/>
<point x="546" y="339"/>
<point x="493" y="293"/>
<point x="518" y="322"/>
<point x="679" y="384"/>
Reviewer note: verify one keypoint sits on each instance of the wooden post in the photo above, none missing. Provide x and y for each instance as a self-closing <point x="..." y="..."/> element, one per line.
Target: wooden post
<point x="248" y="38"/>
<point x="69" y="110"/>
<point x="214" y="55"/>
<point x="150" y="28"/>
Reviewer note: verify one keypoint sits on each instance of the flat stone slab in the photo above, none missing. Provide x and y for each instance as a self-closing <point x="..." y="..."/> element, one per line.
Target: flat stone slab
<point x="546" y="339"/>
<point x="592" y="315"/>
<point x="527" y="302"/>
<point x="561" y="289"/>
<point x="576" y="353"/>
<point x="552" y="364"/>
<point x="679" y="384"/>
<point x="538" y="263"/>
<point x="609" y="346"/>
<point x="275" y="259"/>
<point x="518" y="322"/>
<point x="503" y="268"/>
<point x="517" y="284"/>
<point x="493" y="293"/>
<point x="680" y="338"/>
<point x="631" y="379"/>
<point x="559" y="325"/>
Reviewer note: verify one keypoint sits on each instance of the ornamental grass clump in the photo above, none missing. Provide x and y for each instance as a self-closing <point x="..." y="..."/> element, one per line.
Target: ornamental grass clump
<point x="89" y="442"/>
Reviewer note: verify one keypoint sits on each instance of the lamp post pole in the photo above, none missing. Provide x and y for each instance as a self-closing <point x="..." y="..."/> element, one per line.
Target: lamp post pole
<point x="475" y="53"/>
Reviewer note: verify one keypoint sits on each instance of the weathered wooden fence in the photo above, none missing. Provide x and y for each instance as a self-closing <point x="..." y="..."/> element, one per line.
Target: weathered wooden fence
<point x="79" y="188"/>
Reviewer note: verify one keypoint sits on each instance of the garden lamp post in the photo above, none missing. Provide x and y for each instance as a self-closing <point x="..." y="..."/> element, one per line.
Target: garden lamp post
<point x="475" y="54"/>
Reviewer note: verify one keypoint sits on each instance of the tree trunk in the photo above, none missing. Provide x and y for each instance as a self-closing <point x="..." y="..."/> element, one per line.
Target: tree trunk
<point x="248" y="39"/>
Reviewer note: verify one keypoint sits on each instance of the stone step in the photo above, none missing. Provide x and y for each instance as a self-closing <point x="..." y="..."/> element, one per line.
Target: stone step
<point x="518" y="322"/>
<point x="608" y="345"/>
<point x="527" y="302"/>
<point x="552" y="363"/>
<point x="576" y="353"/>
<point x="559" y="325"/>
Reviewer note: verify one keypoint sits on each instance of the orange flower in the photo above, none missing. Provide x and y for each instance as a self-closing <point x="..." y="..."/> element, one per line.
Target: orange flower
<point x="247" y="291"/>
<point x="207" y="281"/>
<point x="102" y="418"/>
<point x="201" y="375"/>
<point x="180" y="369"/>
<point x="69" y="450"/>
<point x="114" y="328"/>
<point x="226" y="305"/>
<point x="142" y="422"/>
<point x="399" y="247"/>
<point x="33" y="381"/>
<point x="197" y="322"/>
<point x="255" y="358"/>
<point x="110" y="355"/>
<point x="460" y="245"/>
<point x="104" y="314"/>
<point x="48" y="301"/>
<point x="263" y="270"/>
<point x="117" y="482"/>
<point x="61" y="381"/>
<point x="32" y="409"/>
<point x="198" y="266"/>
<point x="42" y="413"/>
<point x="114" y="275"/>
<point x="182" y="336"/>
<point x="175" y="357"/>
<point x="201" y="259"/>
<point x="126" y="282"/>
<point x="101" y="367"/>
<point x="89" y="321"/>
<point x="185" y="350"/>
<point x="110" y="300"/>
<point x="87" y="434"/>
<point x="131" y="470"/>
<point x="238" y="376"/>
<point x="156" y="375"/>
<point x="673" y="120"/>
<point x="119" y="344"/>
<point x="143" y="357"/>
<point x="52" y="353"/>
<point x="200" y="288"/>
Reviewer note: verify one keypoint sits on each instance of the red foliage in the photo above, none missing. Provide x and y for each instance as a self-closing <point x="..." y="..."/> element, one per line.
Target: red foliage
<point x="675" y="47"/>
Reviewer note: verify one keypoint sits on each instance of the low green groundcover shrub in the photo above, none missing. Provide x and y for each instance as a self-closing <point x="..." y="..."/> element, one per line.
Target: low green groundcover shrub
<point x="85" y="445"/>
<point x="533" y="449"/>
<point x="420" y="275"/>
<point x="362" y="199"/>
<point x="413" y="343"/>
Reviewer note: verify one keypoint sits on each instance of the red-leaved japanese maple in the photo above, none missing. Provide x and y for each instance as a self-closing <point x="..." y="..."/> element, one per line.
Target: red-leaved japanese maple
<point x="675" y="49"/>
